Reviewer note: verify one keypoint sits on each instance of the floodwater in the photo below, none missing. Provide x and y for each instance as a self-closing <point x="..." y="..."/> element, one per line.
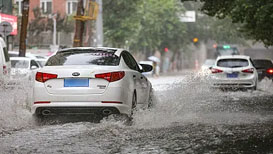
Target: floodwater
<point x="188" y="117"/>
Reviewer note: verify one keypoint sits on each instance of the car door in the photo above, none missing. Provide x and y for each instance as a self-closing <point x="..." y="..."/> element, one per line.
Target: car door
<point x="143" y="81"/>
<point x="135" y="74"/>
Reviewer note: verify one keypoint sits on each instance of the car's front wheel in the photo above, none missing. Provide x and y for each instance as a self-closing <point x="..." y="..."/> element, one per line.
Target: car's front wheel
<point x="134" y="103"/>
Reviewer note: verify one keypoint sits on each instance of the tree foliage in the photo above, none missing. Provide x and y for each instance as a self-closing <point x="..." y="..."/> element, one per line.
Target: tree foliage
<point x="210" y="28"/>
<point x="143" y="24"/>
<point x="255" y="16"/>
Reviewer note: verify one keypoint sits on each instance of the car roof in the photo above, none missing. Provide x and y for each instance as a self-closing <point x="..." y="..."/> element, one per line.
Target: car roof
<point x="262" y="60"/>
<point x="20" y="58"/>
<point x="117" y="51"/>
<point x="233" y="57"/>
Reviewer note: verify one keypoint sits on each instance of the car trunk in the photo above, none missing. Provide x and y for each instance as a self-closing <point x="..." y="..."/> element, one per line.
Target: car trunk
<point x="82" y="82"/>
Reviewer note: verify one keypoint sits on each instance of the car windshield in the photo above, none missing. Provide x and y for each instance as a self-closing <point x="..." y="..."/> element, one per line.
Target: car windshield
<point x="262" y="63"/>
<point x="19" y="63"/>
<point x="232" y="63"/>
<point x="84" y="57"/>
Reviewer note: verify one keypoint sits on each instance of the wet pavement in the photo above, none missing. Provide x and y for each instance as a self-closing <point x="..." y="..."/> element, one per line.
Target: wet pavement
<point x="188" y="117"/>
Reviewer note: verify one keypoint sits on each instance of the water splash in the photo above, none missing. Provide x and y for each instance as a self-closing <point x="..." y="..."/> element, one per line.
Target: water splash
<point x="15" y="96"/>
<point x="190" y="99"/>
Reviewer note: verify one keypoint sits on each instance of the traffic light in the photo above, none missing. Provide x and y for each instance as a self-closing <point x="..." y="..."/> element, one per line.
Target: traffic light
<point x="195" y="41"/>
<point x="166" y="49"/>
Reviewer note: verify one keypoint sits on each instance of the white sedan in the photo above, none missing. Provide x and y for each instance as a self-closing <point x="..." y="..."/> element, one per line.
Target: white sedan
<point x="234" y="71"/>
<point x="87" y="80"/>
<point x="23" y="67"/>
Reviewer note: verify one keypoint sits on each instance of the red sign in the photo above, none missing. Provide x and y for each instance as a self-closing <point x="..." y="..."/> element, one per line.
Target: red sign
<point x="12" y="20"/>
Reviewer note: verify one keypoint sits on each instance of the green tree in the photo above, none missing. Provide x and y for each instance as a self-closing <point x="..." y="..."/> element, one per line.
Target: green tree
<point x="143" y="24"/>
<point x="121" y="21"/>
<point x="255" y="17"/>
<point x="161" y="26"/>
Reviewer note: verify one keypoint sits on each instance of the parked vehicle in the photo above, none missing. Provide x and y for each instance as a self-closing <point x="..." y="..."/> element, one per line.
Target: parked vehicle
<point x="88" y="80"/>
<point x="4" y="60"/>
<point x="23" y="67"/>
<point x="264" y="68"/>
<point x="234" y="71"/>
<point x="38" y="58"/>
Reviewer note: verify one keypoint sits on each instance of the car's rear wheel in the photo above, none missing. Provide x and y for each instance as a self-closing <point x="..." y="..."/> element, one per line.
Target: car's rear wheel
<point x="255" y="86"/>
<point x="38" y="119"/>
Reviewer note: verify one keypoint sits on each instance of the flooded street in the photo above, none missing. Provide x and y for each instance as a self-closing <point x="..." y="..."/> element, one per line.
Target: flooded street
<point x="188" y="117"/>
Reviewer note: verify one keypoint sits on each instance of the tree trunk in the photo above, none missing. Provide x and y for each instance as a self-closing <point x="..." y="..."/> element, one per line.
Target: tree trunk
<point x="78" y="37"/>
<point x="23" y="32"/>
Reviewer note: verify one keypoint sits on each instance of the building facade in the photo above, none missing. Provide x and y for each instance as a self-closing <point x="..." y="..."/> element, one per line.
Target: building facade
<point x="49" y="7"/>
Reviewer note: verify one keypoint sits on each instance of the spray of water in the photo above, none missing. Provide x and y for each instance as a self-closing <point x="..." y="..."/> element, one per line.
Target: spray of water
<point x="15" y="97"/>
<point x="178" y="100"/>
<point x="191" y="99"/>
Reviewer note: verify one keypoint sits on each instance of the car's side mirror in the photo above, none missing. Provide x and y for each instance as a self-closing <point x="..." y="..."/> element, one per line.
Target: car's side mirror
<point x="146" y="68"/>
<point x="33" y="67"/>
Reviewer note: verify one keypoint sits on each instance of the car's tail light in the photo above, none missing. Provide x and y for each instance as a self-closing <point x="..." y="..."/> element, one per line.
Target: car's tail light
<point x="42" y="102"/>
<point x="214" y="70"/>
<point x="115" y="102"/>
<point x="250" y="70"/>
<point x="5" y="71"/>
<point x="43" y="77"/>
<point x="111" y="76"/>
<point x="269" y="71"/>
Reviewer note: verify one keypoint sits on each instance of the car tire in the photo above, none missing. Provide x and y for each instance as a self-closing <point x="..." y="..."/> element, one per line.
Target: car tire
<point x="134" y="103"/>
<point x="255" y="87"/>
<point x="150" y="99"/>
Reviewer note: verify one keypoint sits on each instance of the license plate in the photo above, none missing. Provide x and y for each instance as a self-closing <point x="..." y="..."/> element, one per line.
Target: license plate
<point x="71" y="82"/>
<point x="232" y="75"/>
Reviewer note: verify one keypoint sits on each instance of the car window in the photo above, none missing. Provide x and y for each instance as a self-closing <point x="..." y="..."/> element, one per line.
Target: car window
<point x="130" y="61"/>
<point x="19" y="63"/>
<point x="84" y="57"/>
<point x="232" y="63"/>
<point x="262" y="63"/>
<point x="34" y="63"/>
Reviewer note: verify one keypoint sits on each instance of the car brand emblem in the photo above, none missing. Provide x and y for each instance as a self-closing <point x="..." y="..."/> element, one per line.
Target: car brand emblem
<point x="76" y="74"/>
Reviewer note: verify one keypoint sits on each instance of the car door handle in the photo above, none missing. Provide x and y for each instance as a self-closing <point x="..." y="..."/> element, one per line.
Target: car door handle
<point x="134" y="76"/>
<point x="141" y="77"/>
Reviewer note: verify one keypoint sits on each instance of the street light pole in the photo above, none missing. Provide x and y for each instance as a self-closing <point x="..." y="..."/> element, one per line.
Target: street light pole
<point x="54" y="29"/>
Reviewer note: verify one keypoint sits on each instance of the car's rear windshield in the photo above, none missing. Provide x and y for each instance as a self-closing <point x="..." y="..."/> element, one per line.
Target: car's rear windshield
<point x="84" y="57"/>
<point x="232" y="63"/>
<point x="262" y="63"/>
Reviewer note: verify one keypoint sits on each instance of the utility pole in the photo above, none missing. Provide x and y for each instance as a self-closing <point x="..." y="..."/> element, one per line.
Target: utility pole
<point x="99" y="26"/>
<point x="78" y="37"/>
<point x="23" y="32"/>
